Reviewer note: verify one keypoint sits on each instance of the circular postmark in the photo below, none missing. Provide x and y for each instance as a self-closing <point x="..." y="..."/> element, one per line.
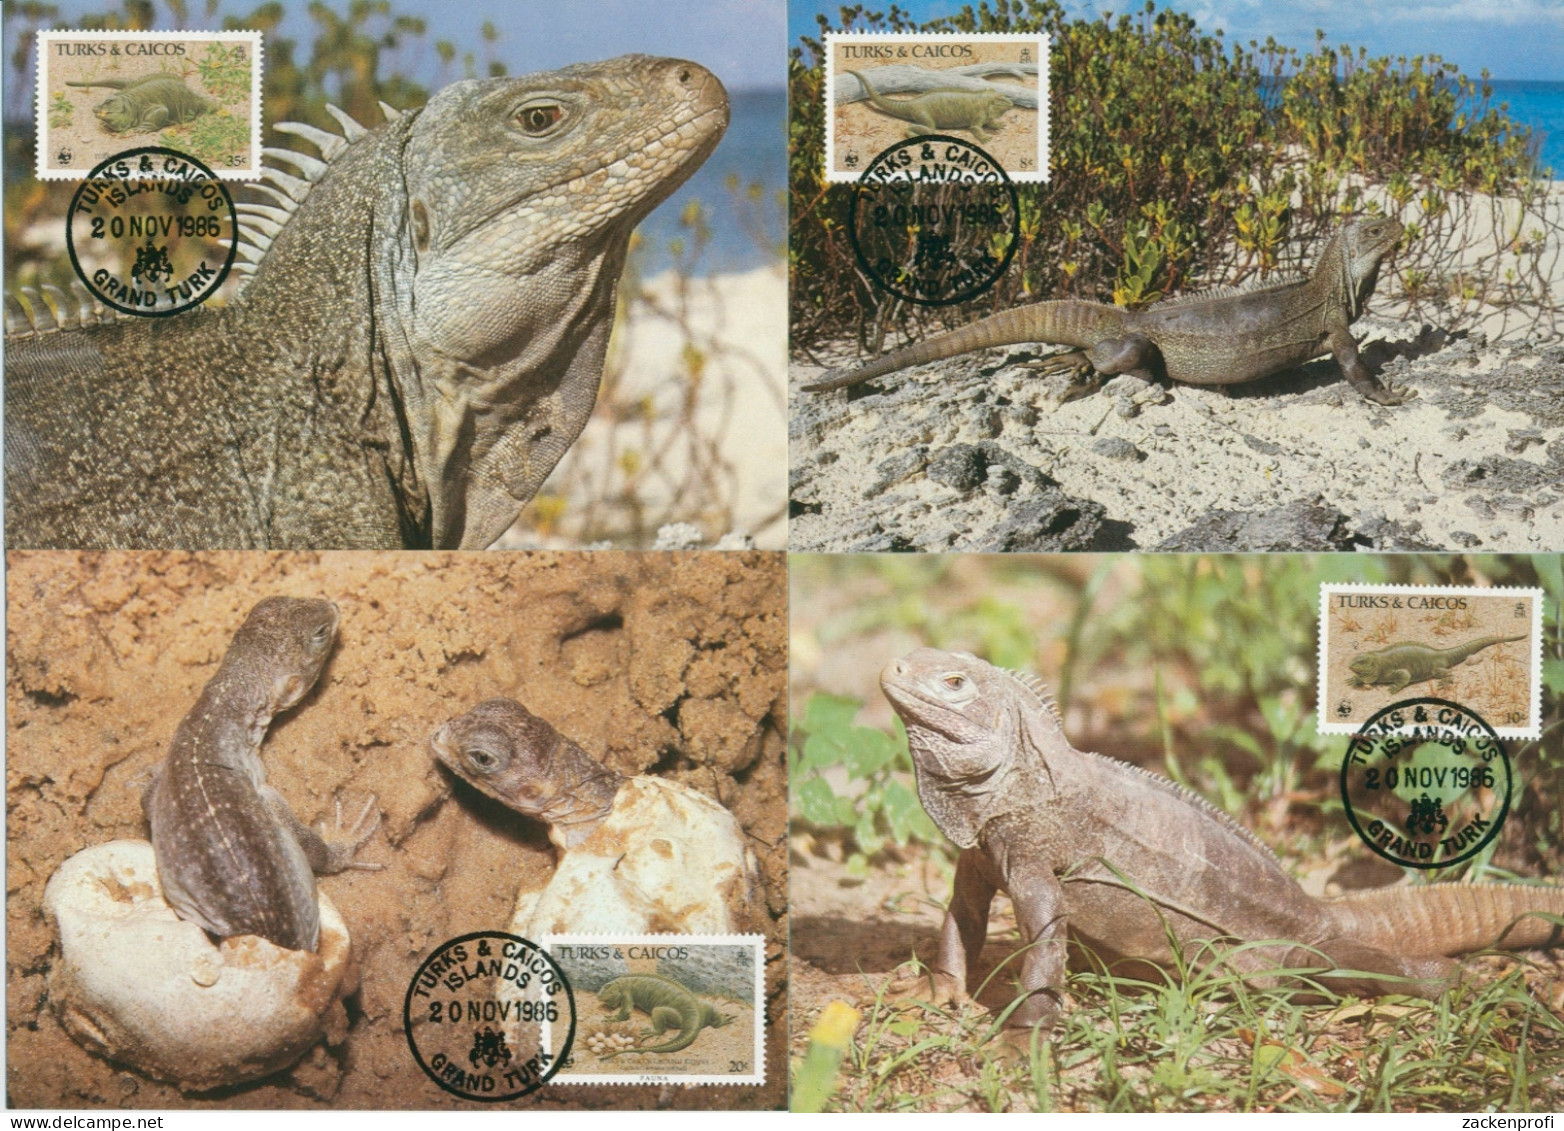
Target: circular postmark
<point x="480" y="1015"/>
<point x="934" y="220"/>
<point x="1426" y="783"/>
<point x="146" y="229"/>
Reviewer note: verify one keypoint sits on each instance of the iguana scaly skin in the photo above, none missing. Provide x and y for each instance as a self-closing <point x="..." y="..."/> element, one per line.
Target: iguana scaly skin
<point x="147" y="104"/>
<point x="1409" y="662"/>
<point x="1114" y="857"/>
<point x="938" y="111"/>
<point x="421" y="341"/>
<point x="1214" y="338"/>
<point x="669" y="1005"/>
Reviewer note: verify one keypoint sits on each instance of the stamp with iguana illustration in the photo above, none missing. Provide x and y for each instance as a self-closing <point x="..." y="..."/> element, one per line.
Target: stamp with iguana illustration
<point x="1480" y="648"/>
<point x="663" y="1008"/>
<point x="988" y="89"/>
<point x="102" y="92"/>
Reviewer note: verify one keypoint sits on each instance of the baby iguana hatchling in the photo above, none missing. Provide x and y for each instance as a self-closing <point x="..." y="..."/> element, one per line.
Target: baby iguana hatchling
<point x="636" y="854"/>
<point x="231" y="856"/>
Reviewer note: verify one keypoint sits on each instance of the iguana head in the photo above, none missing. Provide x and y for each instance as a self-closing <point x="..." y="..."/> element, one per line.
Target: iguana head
<point x="1362" y="244"/>
<point x="280" y="651"/>
<point x="969" y="727"/>
<point x="1365" y="671"/>
<point x="483" y="236"/>
<point x="521" y="197"/>
<point x="117" y="113"/>
<point x="519" y="759"/>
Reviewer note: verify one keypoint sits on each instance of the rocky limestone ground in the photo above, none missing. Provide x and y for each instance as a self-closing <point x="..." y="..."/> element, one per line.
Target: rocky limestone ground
<point x="666" y="664"/>
<point x="972" y="454"/>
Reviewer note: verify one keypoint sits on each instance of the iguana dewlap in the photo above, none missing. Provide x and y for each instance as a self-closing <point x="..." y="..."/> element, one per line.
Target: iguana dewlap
<point x="636" y="854"/>
<point x="1113" y="857"/>
<point x="231" y="856"/>
<point x="1214" y="338"/>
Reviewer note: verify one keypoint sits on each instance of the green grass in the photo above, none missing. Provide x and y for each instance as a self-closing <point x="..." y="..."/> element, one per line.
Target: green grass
<point x="1207" y="1040"/>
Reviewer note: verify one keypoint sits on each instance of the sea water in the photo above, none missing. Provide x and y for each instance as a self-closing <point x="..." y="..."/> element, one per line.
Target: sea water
<point x="1539" y="105"/>
<point x="755" y="151"/>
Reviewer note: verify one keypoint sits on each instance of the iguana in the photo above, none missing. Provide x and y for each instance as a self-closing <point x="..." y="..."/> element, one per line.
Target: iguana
<point x="231" y="855"/>
<point x="937" y="111"/>
<point x="669" y="1005"/>
<point x="147" y="104"/>
<point x="1220" y="337"/>
<point x="420" y="341"/>
<point x="1115" y="857"/>
<point x="1410" y="662"/>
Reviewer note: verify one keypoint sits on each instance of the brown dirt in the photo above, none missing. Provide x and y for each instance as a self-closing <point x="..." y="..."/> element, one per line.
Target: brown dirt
<point x="673" y="664"/>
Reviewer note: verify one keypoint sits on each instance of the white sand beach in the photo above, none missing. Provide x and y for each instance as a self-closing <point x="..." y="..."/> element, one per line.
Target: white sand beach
<point x="690" y="425"/>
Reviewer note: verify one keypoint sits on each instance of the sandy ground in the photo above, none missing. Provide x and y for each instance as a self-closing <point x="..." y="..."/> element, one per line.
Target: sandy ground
<point x="665" y="664"/>
<point x="1475" y="462"/>
<point x="679" y="436"/>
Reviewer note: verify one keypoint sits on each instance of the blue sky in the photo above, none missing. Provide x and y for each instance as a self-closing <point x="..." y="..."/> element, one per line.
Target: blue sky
<point x="743" y="41"/>
<point x="1513" y="39"/>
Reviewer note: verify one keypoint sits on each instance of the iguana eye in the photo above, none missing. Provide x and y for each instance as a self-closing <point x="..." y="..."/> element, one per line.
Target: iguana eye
<point x="321" y="635"/>
<point x="538" y="118"/>
<point x="955" y="682"/>
<point x="480" y="760"/>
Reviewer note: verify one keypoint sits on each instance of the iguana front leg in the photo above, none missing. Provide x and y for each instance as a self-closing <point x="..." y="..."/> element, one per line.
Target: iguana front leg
<point x="966" y="926"/>
<point x="1039" y="902"/>
<point x="1345" y="348"/>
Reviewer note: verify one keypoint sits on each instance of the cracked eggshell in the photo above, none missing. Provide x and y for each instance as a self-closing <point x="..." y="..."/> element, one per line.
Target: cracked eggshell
<point x="137" y="984"/>
<point x="668" y="860"/>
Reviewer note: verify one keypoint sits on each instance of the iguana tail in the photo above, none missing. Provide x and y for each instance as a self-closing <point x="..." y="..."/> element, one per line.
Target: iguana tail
<point x="1464" y="652"/>
<point x="1452" y="919"/>
<point x="111" y="84"/>
<point x="1070" y="322"/>
<point x="878" y="99"/>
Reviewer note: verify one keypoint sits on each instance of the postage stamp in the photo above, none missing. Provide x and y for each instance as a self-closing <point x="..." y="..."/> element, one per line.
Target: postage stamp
<point x="103" y="92"/>
<point x="989" y="89"/>
<point x="1478" y="648"/>
<point x="663" y="1009"/>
